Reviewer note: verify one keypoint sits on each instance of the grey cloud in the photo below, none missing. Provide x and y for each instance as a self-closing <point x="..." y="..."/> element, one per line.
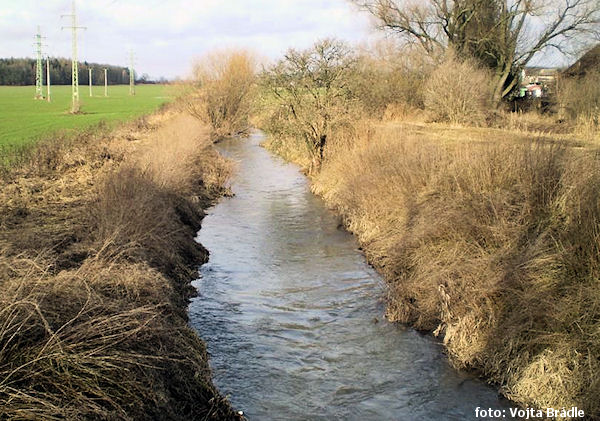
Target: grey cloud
<point x="167" y="35"/>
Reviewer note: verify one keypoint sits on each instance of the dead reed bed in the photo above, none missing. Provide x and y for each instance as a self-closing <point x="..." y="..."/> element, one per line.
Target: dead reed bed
<point x="96" y="253"/>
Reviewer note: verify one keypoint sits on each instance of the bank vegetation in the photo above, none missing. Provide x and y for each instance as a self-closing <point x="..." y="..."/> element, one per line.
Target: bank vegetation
<point x="97" y="253"/>
<point x="485" y="222"/>
<point x="221" y="91"/>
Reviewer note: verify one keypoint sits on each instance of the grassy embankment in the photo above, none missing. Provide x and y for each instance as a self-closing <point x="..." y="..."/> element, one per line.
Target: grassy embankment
<point x="96" y="253"/>
<point x="488" y="236"/>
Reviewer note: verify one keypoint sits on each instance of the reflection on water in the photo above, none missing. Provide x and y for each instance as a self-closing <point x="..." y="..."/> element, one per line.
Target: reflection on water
<point x="290" y="311"/>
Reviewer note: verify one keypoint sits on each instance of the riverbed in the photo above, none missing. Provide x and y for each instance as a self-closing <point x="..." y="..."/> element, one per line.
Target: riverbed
<point x="293" y="315"/>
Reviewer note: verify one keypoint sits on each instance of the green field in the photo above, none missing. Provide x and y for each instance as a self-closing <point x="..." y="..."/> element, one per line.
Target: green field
<point x="23" y="119"/>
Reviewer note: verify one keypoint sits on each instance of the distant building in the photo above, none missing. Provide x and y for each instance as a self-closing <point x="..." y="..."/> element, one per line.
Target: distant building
<point x="535" y="90"/>
<point x="539" y="75"/>
<point x="531" y="90"/>
<point x="537" y="82"/>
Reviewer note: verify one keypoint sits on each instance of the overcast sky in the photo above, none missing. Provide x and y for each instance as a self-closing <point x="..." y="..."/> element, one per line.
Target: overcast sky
<point x="167" y="34"/>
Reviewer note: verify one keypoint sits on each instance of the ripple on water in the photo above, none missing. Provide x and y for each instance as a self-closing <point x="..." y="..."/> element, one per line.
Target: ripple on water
<point x="287" y="303"/>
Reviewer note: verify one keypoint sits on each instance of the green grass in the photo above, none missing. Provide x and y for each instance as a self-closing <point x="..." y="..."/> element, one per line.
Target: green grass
<point x="24" y="120"/>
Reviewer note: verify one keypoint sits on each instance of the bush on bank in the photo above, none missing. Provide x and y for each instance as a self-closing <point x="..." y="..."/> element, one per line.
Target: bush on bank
<point x="221" y="91"/>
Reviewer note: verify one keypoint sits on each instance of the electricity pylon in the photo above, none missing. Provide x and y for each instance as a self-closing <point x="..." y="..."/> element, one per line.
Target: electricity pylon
<point x="105" y="81"/>
<point x="48" y="77"/>
<point x="131" y="74"/>
<point x="75" y="63"/>
<point x="39" y="70"/>
<point x="90" y="80"/>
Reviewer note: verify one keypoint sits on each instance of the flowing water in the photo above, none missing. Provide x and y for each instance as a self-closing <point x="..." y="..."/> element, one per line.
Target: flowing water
<point x="292" y="313"/>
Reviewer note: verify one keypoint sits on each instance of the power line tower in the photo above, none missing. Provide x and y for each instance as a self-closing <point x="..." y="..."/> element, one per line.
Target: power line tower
<point x="48" y="78"/>
<point x="39" y="70"/>
<point x="75" y="63"/>
<point x="131" y="74"/>
<point x="90" y="80"/>
<point x="105" y="81"/>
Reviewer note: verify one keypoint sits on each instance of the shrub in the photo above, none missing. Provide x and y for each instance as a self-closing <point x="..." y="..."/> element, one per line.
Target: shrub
<point x="579" y="100"/>
<point x="458" y="92"/>
<point x="310" y="96"/>
<point x="222" y="91"/>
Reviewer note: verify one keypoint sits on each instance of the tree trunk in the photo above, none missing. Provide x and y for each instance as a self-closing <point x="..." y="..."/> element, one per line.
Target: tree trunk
<point x="499" y="87"/>
<point x="321" y="146"/>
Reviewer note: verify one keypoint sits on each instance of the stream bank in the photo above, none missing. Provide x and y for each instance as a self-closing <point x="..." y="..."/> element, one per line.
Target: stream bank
<point x="486" y="238"/>
<point x="292" y="313"/>
<point x="96" y="254"/>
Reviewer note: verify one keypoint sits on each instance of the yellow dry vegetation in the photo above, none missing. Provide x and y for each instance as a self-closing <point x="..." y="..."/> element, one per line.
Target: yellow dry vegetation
<point x="96" y="253"/>
<point x="221" y="93"/>
<point x="490" y="238"/>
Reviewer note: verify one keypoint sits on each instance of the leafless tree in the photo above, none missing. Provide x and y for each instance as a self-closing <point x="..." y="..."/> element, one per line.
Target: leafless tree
<point x="312" y="92"/>
<point x="221" y="92"/>
<point x="503" y="35"/>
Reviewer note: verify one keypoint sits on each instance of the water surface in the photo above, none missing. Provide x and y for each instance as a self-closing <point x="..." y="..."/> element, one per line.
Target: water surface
<point x="292" y="313"/>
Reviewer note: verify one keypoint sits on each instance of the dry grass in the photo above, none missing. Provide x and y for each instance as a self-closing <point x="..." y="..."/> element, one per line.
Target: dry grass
<point x="457" y="92"/>
<point x="489" y="238"/>
<point x="96" y="253"/>
<point x="579" y="103"/>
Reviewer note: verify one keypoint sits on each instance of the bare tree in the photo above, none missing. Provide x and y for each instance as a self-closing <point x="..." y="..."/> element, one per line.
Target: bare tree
<point x="503" y="35"/>
<point x="221" y="92"/>
<point x="312" y="92"/>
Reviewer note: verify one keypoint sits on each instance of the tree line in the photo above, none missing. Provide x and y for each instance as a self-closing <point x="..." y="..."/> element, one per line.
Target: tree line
<point x="21" y="72"/>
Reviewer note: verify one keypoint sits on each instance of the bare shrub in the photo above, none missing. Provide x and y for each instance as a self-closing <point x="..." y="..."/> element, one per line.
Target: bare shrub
<point x="458" y="92"/>
<point x="222" y="91"/>
<point x="389" y="75"/>
<point x="308" y="97"/>
<point x="579" y="100"/>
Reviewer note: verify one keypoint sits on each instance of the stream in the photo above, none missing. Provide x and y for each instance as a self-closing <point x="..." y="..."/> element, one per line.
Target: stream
<point x="293" y="315"/>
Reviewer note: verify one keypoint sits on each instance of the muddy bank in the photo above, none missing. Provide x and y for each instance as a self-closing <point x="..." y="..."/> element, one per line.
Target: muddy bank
<point x="96" y="254"/>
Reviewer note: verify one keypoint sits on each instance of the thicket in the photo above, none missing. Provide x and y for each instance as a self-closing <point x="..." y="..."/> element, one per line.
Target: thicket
<point x="310" y="94"/>
<point x="221" y="91"/>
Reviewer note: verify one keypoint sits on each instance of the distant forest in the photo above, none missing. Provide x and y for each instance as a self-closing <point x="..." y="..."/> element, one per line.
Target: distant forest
<point x="21" y="72"/>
